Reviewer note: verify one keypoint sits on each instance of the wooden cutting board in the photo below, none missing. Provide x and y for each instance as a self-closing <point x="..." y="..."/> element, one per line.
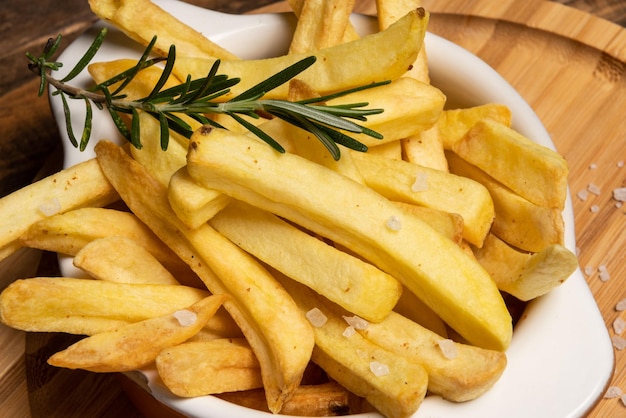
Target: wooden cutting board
<point x="567" y="64"/>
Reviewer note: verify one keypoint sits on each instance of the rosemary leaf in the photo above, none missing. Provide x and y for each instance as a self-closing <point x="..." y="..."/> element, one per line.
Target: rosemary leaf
<point x="86" y="59"/>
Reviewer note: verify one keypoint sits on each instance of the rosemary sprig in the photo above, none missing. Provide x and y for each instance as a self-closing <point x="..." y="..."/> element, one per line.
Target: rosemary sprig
<point x="197" y="98"/>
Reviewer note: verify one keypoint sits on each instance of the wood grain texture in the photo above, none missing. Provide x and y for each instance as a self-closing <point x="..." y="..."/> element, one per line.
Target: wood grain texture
<point x="567" y="63"/>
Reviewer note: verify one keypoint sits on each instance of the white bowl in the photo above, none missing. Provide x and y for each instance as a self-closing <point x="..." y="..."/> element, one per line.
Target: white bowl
<point x="561" y="357"/>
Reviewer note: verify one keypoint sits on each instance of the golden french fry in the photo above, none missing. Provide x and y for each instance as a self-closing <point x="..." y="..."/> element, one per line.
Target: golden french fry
<point x="451" y="282"/>
<point x="319" y="400"/>
<point x="382" y="56"/>
<point x="67" y="233"/>
<point x="221" y="325"/>
<point x="426" y="149"/>
<point x="454" y="123"/>
<point x="321" y="24"/>
<point x="411" y="307"/>
<point x="256" y="296"/>
<point x="388" y="12"/>
<point x="355" y="285"/>
<point x="457" y="372"/>
<point x="230" y="364"/>
<point x="519" y="222"/>
<point x="193" y="204"/>
<point x="392" y="384"/>
<point x="392" y="150"/>
<point x="526" y="275"/>
<point x="133" y="346"/>
<point x="446" y="223"/>
<point x="122" y="260"/>
<point x="535" y="172"/>
<point x="76" y="187"/>
<point x="88" y="307"/>
<point x="350" y="33"/>
<point x="142" y="19"/>
<point x="410" y="183"/>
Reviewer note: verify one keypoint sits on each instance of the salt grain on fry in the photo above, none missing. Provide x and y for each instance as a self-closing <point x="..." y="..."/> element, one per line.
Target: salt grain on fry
<point x="421" y="183"/>
<point x="356" y="322"/>
<point x="349" y="331"/>
<point x="316" y="317"/>
<point x="448" y="348"/>
<point x="50" y="207"/>
<point x="394" y="223"/>
<point x="185" y="318"/>
<point x="379" y="369"/>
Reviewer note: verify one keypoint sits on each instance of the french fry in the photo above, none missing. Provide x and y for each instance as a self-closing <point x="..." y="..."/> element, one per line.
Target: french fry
<point x="448" y="224"/>
<point x="122" y="260"/>
<point x="193" y="204"/>
<point x="536" y="173"/>
<point x="350" y="33"/>
<point x="411" y="307"/>
<point x="392" y="150"/>
<point x="526" y="275"/>
<point x="454" y="123"/>
<point x="142" y="19"/>
<point x="426" y="149"/>
<point x="519" y="222"/>
<point x="382" y="56"/>
<point x="69" y="232"/>
<point x="388" y="12"/>
<point x="76" y="187"/>
<point x="464" y="374"/>
<point x="357" y="286"/>
<point x="230" y="363"/>
<point x="321" y="24"/>
<point x="255" y="295"/>
<point x="410" y="183"/>
<point x="136" y="345"/>
<point x="429" y="264"/>
<point x="88" y="307"/>
<point x="393" y="385"/>
<point x="319" y="400"/>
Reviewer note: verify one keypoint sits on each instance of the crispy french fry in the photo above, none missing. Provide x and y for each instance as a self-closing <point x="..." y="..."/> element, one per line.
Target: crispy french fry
<point x="321" y="24"/>
<point x="411" y="307"/>
<point x="388" y="12"/>
<point x="256" y="296"/>
<point x="382" y="56"/>
<point x="464" y="374"/>
<point x="410" y="183"/>
<point x="133" y="346"/>
<point x="230" y="363"/>
<point x="350" y="33"/>
<point x="426" y="149"/>
<point x="67" y="233"/>
<point x="454" y="123"/>
<point x="122" y="260"/>
<point x="393" y="385"/>
<point x="519" y="222"/>
<point x="446" y="223"/>
<point x="535" y="172"/>
<point x="319" y="400"/>
<point x="526" y="275"/>
<point x="357" y="286"/>
<point x="452" y="283"/>
<point x="88" y="307"/>
<point x="76" y="187"/>
<point x="392" y="150"/>
<point x="193" y="204"/>
<point x="142" y="19"/>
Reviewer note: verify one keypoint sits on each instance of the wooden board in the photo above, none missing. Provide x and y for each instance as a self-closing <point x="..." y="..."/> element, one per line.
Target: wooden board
<point x="569" y="65"/>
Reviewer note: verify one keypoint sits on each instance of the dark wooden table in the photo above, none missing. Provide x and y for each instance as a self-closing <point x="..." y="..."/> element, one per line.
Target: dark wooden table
<point x="30" y="146"/>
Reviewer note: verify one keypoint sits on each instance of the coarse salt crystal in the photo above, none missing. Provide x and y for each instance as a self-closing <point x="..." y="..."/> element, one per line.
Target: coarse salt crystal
<point x="618" y="342"/>
<point x="379" y="369"/>
<point x="582" y="195"/>
<point x="316" y="317"/>
<point x="349" y="331"/>
<point x="620" y="164"/>
<point x="613" y="392"/>
<point x="448" y="348"/>
<point x="621" y="305"/>
<point x="603" y="273"/>
<point x="618" y="204"/>
<point x="394" y="223"/>
<point x="356" y="322"/>
<point x="50" y="207"/>
<point x="619" y="194"/>
<point x="421" y="183"/>
<point x="593" y="188"/>
<point x="185" y="317"/>
<point x="595" y="209"/>
<point x="619" y="325"/>
<point x="361" y="353"/>
<point x="588" y="270"/>
<point x="593" y="166"/>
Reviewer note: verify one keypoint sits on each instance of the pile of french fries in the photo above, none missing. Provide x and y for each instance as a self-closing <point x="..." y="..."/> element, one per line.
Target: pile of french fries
<point x="295" y="283"/>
